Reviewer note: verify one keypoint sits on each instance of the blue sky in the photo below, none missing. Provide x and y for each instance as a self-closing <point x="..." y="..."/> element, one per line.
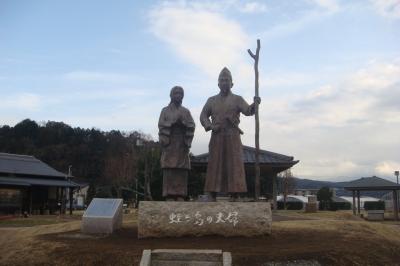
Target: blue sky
<point x="329" y="71"/>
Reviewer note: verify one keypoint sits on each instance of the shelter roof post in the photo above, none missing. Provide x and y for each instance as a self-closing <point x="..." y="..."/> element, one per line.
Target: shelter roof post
<point x="71" y="191"/>
<point x="62" y="201"/>
<point x="30" y="200"/>
<point x="395" y="206"/>
<point x="274" y="191"/>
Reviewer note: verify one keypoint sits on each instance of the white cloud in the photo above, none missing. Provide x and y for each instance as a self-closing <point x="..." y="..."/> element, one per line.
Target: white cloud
<point x="249" y="7"/>
<point x="285" y="79"/>
<point x="387" y="168"/>
<point x="106" y="94"/>
<point x="22" y="101"/>
<point x="357" y="97"/>
<point x="253" y="7"/>
<point x="98" y="76"/>
<point x="376" y="76"/>
<point x="290" y="27"/>
<point x="202" y="37"/>
<point x="116" y="51"/>
<point x="387" y="8"/>
<point x="340" y="168"/>
<point x="346" y="128"/>
<point x="328" y="5"/>
<point x="320" y="10"/>
<point x="123" y="117"/>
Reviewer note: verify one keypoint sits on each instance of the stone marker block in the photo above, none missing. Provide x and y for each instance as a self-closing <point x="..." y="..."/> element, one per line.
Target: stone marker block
<point x="185" y="257"/>
<point x="376" y="215"/>
<point x="226" y="259"/>
<point x="311" y="207"/>
<point x="146" y="258"/>
<point x="176" y="219"/>
<point x="103" y="216"/>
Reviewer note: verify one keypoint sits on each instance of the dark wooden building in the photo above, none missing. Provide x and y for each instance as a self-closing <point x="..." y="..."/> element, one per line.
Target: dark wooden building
<point x="29" y="185"/>
<point x="271" y="164"/>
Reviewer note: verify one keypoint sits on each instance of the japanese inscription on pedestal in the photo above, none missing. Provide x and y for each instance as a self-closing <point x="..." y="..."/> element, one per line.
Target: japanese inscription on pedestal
<point x="199" y="219"/>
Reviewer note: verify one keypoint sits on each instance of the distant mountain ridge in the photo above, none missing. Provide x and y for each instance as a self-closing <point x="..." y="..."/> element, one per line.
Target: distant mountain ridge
<point x="312" y="184"/>
<point x="316" y="184"/>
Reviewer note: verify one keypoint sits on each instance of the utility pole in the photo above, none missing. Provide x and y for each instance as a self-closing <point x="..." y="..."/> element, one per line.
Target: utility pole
<point x="136" y="196"/>
<point x="70" y="193"/>
<point x="396" y="173"/>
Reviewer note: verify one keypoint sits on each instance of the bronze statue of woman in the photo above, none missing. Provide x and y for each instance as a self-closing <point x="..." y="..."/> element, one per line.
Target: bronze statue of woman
<point x="176" y="130"/>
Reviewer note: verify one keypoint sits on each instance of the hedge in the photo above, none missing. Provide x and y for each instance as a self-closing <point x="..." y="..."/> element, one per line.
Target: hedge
<point x="340" y="206"/>
<point x="292" y="205"/>
<point x="374" y="205"/>
<point x="334" y="206"/>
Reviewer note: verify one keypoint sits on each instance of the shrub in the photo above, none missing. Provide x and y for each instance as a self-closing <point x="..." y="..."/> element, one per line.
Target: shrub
<point x="324" y="205"/>
<point x="103" y="192"/>
<point x="292" y="205"/>
<point x="324" y="196"/>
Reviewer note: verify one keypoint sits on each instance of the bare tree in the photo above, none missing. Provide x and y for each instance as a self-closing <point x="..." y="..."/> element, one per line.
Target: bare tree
<point x="288" y="185"/>
<point x="120" y="170"/>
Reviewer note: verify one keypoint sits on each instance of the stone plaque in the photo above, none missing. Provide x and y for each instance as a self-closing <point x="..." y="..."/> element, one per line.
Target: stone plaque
<point x="102" y="216"/>
<point x="175" y="219"/>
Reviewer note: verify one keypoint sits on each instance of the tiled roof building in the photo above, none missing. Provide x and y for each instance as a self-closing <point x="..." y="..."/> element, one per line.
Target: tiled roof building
<point x="271" y="164"/>
<point x="29" y="185"/>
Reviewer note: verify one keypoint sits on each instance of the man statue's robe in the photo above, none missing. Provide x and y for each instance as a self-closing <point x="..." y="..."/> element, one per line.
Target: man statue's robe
<point x="176" y="130"/>
<point x="225" y="169"/>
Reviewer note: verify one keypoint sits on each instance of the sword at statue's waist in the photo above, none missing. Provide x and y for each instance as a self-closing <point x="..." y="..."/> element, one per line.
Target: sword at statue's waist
<point x="227" y="125"/>
<point x="234" y="125"/>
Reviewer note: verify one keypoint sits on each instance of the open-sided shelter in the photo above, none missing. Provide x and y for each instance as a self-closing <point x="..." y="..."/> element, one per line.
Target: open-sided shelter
<point x="29" y="185"/>
<point x="373" y="183"/>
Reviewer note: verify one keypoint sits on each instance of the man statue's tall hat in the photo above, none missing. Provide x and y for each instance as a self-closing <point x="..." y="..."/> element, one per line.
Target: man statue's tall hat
<point x="225" y="72"/>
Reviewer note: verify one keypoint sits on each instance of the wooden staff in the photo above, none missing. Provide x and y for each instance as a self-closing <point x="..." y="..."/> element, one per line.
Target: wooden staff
<point x="257" y="135"/>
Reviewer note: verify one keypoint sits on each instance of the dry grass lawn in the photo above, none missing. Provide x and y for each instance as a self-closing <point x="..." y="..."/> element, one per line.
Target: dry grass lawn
<point x="331" y="238"/>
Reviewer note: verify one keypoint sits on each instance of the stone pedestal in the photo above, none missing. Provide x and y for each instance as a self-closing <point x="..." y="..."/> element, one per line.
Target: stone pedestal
<point x="176" y="219"/>
<point x="102" y="216"/>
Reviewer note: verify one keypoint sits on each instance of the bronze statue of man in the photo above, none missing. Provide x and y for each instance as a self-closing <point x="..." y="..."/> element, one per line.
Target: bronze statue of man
<point x="176" y="130"/>
<point x="225" y="169"/>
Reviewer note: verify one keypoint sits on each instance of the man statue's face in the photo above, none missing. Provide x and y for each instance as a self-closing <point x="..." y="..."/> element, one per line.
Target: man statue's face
<point x="177" y="97"/>
<point x="225" y="84"/>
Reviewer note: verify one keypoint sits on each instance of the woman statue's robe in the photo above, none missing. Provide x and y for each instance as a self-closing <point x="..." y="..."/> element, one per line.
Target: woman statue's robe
<point x="176" y="130"/>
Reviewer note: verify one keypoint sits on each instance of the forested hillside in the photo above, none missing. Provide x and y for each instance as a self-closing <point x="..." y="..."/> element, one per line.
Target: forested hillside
<point x="110" y="161"/>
